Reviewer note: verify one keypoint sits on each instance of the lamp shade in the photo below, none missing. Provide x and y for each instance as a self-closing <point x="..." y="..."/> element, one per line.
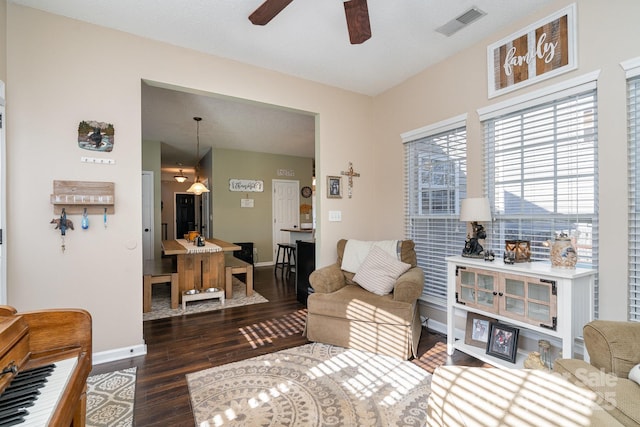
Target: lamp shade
<point x="197" y="188"/>
<point x="475" y="209"/>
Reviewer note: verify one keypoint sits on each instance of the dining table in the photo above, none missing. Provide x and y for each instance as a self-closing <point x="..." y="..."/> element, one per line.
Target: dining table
<point x="199" y="267"/>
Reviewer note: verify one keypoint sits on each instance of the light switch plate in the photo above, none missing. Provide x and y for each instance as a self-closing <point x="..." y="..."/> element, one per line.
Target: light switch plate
<point x="335" y="216"/>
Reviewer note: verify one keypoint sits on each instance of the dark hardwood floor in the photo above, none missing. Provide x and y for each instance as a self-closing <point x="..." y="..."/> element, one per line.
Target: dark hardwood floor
<point x="180" y="345"/>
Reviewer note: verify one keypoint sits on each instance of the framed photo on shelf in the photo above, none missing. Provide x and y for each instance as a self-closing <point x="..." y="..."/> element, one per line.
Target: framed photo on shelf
<point x="503" y="341"/>
<point x="477" y="330"/>
<point x="334" y="187"/>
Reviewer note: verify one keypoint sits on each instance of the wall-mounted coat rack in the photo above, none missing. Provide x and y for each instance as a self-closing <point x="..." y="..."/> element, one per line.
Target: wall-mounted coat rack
<point x="76" y="196"/>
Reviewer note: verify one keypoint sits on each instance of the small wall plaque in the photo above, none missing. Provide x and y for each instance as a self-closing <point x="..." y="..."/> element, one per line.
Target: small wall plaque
<point x="246" y="185"/>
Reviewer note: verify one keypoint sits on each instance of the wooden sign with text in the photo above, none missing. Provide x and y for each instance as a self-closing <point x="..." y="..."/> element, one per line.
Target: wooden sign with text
<point x="540" y="51"/>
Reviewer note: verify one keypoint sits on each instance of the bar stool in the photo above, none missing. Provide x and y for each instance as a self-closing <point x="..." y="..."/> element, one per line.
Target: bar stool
<point x="288" y="261"/>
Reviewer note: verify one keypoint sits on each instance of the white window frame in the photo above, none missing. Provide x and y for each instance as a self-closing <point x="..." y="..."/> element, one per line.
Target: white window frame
<point x="430" y="253"/>
<point x="632" y="74"/>
<point x="560" y="91"/>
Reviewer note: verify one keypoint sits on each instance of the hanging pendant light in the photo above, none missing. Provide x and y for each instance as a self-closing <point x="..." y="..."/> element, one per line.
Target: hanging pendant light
<point x="180" y="178"/>
<point x="197" y="187"/>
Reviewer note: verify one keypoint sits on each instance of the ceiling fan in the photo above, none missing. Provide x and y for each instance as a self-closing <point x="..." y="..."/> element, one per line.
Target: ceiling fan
<point x="356" y="12"/>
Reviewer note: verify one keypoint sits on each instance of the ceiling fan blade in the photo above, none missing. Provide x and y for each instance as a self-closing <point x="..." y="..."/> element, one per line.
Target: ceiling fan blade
<point x="357" y="14"/>
<point x="267" y="11"/>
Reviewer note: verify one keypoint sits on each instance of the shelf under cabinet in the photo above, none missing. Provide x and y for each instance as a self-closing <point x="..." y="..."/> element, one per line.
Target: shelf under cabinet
<point x="480" y="354"/>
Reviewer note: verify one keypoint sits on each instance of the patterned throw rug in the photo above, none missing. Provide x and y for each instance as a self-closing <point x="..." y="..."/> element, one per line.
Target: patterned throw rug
<point x="110" y="399"/>
<point x="311" y="385"/>
<point x="161" y="301"/>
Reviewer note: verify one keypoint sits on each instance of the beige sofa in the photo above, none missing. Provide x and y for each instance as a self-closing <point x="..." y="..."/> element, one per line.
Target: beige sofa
<point x="614" y="348"/>
<point x="342" y="313"/>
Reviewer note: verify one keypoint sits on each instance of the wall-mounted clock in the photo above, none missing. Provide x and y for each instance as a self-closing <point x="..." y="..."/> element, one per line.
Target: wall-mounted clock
<point x="306" y="192"/>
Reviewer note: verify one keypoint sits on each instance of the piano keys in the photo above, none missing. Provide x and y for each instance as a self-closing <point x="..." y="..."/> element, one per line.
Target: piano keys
<point x="56" y="343"/>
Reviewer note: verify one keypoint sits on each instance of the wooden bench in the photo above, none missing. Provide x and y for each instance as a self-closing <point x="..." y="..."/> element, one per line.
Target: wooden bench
<point x="233" y="265"/>
<point x="159" y="272"/>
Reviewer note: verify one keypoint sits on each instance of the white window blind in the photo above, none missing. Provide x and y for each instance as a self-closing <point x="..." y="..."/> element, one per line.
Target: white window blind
<point x="541" y="175"/>
<point x="633" y="109"/>
<point x="436" y="177"/>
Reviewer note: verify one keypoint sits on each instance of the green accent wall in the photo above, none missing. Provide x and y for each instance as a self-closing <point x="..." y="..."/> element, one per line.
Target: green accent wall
<point x="233" y="223"/>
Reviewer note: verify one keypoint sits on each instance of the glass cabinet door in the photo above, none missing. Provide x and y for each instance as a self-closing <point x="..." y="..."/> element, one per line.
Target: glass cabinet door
<point x="529" y="299"/>
<point x="477" y="288"/>
<point x="467" y="287"/>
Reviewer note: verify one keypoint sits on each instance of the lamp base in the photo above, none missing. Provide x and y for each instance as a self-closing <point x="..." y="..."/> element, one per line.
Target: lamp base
<point x="478" y="256"/>
<point x="473" y="248"/>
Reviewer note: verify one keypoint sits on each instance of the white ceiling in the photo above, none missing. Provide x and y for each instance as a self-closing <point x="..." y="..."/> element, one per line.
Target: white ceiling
<point x="308" y="39"/>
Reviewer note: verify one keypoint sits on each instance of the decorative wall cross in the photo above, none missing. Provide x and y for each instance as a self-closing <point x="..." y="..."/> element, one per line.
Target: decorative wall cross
<point x="350" y="173"/>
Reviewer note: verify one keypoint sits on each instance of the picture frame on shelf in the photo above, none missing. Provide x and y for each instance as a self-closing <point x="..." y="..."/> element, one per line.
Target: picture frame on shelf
<point x="334" y="187"/>
<point x="503" y="341"/>
<point x="477" y="330"/>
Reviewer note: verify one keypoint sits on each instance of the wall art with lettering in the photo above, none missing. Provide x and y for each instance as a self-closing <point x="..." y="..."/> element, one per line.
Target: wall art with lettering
<point x="246" y="185"/>
<point x="543" y="50"/>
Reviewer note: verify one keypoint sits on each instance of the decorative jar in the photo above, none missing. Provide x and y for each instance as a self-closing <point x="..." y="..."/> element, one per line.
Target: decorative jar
<point x="563" y="253"/>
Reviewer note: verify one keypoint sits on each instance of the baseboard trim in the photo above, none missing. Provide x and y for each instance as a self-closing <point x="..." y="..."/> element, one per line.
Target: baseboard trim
<point x="436" y="326"/>
<point x="263" y="264"/>
<point x="119" y="354"/>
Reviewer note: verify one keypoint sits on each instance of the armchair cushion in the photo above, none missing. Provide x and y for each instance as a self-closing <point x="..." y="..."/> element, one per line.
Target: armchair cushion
<point x="380" y="271"/>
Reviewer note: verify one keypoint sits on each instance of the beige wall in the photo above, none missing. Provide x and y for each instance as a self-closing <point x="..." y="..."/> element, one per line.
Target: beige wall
<point x="3" y="40"/>
<point x="607" y="35"/>
<point x="101" y="269"/>
<point x="233" y="223"/>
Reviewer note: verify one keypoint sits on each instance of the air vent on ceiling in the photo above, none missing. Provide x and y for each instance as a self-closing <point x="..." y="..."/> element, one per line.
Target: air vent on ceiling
<point x="461" y="21"/>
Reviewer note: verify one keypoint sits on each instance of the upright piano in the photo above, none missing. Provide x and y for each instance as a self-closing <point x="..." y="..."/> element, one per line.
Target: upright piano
<point x="45" y="359"/>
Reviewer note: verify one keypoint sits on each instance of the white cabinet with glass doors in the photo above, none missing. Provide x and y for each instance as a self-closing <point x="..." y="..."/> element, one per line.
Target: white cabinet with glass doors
<point x="534" y="296"/>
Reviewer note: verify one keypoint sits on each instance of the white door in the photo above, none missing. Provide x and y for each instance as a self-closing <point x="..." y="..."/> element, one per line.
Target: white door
<point x="147" y="215"/>
<point x="286" y="208"/>
<point x="3" y="203"/>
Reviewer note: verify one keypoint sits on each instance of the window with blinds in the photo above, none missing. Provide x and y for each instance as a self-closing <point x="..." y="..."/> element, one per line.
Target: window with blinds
<point x="436" y="181"/>
<point x="633" y="112"/>
<point x="541" y="174"/>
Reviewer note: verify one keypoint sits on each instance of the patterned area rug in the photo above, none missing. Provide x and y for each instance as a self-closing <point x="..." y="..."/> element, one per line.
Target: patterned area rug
<point x="110" y="399"/>
<point x="311" y="385"/>
<point x="161" y="301"/>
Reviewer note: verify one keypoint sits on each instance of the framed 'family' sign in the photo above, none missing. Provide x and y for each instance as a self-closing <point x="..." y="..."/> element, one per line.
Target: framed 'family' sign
<point x="538" y="52"/>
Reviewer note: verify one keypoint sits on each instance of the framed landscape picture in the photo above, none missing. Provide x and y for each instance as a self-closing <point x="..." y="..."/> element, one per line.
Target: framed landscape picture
<point x="477" y="330"/>
<point x="503" y="341"/>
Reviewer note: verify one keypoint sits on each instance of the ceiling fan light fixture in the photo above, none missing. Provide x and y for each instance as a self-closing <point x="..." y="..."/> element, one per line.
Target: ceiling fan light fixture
<point x="197" y="187"/>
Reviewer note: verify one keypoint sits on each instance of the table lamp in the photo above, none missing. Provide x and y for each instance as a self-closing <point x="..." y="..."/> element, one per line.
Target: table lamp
<point x="473" y="210"/>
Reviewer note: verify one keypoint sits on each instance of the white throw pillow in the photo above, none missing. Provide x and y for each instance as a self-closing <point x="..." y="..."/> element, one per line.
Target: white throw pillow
<point x="356" y="251"/>
<point x="634" y="374"/>
<point x="379" y="271"/>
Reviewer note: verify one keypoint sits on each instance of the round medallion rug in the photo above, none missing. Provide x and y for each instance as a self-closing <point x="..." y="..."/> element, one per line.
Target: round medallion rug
<point x="311" y="385"/>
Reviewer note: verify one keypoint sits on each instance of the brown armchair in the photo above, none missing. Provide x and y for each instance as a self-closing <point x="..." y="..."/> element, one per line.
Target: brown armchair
<point x="614" y="348"/>
<point x="341" y="312"/>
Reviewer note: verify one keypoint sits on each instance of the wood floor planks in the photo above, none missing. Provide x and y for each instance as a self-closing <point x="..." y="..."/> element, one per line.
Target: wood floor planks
<point x="177" y="346"/>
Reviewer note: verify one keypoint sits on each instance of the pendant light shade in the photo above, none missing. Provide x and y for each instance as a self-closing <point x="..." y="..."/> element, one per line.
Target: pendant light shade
<point x="197" y="187"/>
<point x="180" y="177"/>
